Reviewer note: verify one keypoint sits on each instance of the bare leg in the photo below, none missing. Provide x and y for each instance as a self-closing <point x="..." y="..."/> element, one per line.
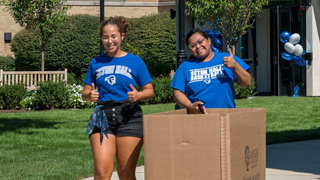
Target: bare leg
<point x="103" y="156"/>
<point x="128" y="150"/>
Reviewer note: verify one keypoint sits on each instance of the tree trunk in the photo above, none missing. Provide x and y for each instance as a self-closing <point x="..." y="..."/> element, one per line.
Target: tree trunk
<point x="42" y="56"/>
<point x="233" y="49"/>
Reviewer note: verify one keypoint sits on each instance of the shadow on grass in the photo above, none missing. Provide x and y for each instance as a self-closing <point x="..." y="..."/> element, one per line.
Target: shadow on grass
<point x="291" y="136"/>
<point x="16" y="125"/>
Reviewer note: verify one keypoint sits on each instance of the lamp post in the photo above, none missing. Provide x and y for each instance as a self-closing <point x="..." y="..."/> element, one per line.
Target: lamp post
<point x="181" y="54"/>
<point x="101" y="20"/>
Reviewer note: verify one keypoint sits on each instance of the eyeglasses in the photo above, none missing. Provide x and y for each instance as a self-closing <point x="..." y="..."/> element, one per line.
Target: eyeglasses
<point x="112" y="38"/>
<point x="193" y="45"/>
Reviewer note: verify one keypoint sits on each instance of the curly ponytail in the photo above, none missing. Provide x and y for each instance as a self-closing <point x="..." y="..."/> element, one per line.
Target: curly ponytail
<point x="121" y="22"/>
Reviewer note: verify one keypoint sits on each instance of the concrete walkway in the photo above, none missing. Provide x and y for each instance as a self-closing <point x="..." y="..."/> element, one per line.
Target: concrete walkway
<point x="286" y="161"/>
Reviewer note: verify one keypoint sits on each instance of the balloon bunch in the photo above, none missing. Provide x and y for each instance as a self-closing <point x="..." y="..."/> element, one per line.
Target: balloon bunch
<point x="294" y="50"/>
<point x="216" y="38"/>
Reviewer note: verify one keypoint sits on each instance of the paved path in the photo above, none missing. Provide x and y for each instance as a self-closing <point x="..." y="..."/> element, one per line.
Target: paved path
<point x="294" y="161"/>
<point x="286" y="161"/>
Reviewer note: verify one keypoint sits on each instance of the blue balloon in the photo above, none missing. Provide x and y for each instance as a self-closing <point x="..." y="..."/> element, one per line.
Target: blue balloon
<point x="303" y="53"/>
<point x="210" y="34"/>
<point x="214" y="49"/>
<point x="217" y="43"/>
<point x="286" y="56"/>
<point x="284" y="36"/>
<point x="299" y="61"/>
<point x="217" y="34"/>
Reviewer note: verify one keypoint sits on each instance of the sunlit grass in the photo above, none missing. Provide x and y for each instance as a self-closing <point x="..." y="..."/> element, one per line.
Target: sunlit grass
<point x="41" y="145"/>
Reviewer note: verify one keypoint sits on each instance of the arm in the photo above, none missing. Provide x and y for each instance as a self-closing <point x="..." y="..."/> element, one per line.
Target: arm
<point x="145" y="94"/>
<point x="89" y="93"/>
<point x="243" y="77"/>
<point x="181" y="99"/>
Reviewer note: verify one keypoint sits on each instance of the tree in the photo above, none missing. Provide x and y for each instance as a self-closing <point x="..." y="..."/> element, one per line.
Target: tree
<point x="231" y="18"/>
<point x="43" y="17"/>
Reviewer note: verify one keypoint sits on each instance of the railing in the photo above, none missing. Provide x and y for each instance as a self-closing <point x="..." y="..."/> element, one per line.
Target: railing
<point x="30" y="79"/>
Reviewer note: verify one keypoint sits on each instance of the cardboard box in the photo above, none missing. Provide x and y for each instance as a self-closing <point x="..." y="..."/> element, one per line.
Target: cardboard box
<point x="226" y="144"/>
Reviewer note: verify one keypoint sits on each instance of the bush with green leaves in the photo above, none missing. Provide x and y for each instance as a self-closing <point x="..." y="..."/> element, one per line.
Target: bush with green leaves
<point x="11" y="95"/>
<point x="72" y="79"/>
<point x="162" y="91"/>
<point x="243" y="93"/>
<point x="77" y="42"/>
<point x="7" y="63"/>
<point x="72" y="47"/>
<point x="51" y="95"/>
<point x="155" y="37"/>
<point x="28" y="102"/>
<point x="75" y="99"/>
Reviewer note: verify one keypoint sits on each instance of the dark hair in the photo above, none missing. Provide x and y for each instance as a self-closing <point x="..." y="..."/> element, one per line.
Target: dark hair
<point x="121" y="22"/>
<point x="193" y="31"/>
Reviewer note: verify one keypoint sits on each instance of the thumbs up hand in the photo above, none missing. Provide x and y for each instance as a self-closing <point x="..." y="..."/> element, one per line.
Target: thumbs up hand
<point x="228" y="61"/>
<point x="93" y="94"/>
<point x="133" y="96"/>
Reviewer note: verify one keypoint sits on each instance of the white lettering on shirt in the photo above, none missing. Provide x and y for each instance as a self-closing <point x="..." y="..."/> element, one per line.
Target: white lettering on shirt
<point x="104" y="70"/>
<point x="206" y="74"/>
<point x="112" y="69"/>
<point x="124" y="70"/>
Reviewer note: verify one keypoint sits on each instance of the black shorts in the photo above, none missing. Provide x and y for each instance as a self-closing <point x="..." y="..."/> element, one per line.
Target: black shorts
<point x="133" y="127"/>
<point x="124" y="118"/>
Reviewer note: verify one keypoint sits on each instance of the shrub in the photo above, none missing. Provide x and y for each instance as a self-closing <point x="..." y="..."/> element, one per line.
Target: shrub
<point x="7" y="63"/>
<point x="77" y="42"/>
<point x="72" y="47"/>
<point x="242" y="93"/>
<point x="28" y="102"/>
<point x="154" y="36"/>
<point x="162" y="92"/>
<point x="51" y="95"/>
<point x="72" y="79"/>
<point x="11" y="95"/>
<point x="75" y="99"/>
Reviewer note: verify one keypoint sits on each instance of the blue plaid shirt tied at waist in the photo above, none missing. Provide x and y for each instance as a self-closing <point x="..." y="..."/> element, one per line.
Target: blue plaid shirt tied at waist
<point x="98" y="119"/>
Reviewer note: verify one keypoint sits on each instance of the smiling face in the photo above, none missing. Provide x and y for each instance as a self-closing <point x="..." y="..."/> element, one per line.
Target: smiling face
<point x="111" y="39"/>
<point x="199" y="46"/>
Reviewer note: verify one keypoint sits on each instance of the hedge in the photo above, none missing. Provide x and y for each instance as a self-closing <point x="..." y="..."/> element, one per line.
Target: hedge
<point x="77" y="42"/>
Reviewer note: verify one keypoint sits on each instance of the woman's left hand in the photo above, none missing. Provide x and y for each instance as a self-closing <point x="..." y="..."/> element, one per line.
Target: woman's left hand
<point x="133" y="96"/>
<point x="228" y="61"/>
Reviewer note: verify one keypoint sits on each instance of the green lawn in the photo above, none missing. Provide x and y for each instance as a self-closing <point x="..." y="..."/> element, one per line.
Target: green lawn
<point x="46" y="145"/>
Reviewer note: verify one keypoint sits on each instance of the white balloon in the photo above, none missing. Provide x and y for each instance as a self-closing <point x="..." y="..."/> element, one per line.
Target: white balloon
<point x="289" y="47"/>
<point x="298" y="50"/>
<point x="294" y="38"/>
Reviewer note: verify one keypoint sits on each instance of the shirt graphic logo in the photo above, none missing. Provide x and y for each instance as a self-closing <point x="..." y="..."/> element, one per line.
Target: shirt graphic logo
<point x="111" y="79"/>
<point x="206" y="74"/>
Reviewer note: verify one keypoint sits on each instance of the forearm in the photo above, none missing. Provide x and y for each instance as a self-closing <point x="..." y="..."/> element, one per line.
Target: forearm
<point x="243" y="77"/>
<point x="146" y="92"/>
<point x="86" y="93"/>
<point x="181" y="99"/>
<point x="86" y="96"/>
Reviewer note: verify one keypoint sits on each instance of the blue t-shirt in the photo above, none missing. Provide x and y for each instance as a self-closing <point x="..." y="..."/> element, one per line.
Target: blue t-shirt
<point x="210" y="82"/>
<point x="113" y="75"/>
